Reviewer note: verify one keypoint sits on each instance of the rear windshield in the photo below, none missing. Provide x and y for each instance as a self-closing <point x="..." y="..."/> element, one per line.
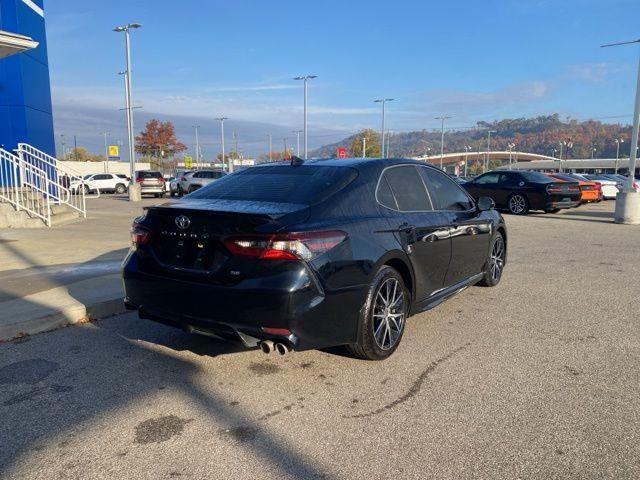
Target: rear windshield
<point x="567" y="178"/>
<point x="149" y="175"/>
<point x="535" y="177"/>
<point x="303" y="185"/>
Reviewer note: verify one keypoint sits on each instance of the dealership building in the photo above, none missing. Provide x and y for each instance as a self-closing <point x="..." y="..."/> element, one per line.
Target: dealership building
<point x="25" y="92"/>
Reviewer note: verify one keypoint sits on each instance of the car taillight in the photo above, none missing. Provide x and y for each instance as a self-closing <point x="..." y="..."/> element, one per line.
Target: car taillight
<point x="162" y="179"/>
<point x="287" y="246"/>
<point x="139" y="179"/>
<point x="140" y="235"/>
<point x="598" y="185"/>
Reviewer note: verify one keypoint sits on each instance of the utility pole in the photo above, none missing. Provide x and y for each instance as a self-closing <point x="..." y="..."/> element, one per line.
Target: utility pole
<point x="134" y="189"/>
<point x="364" y="146"/>
<point x="466" y="158"/>
<point x="388" y="143"/>
<point x="442" y="118"/>
<point x="197" y="145"/>
<point x="235" y="138"/>
<point x="383" y="101"/>
<point x="305" y="79"/>
<point x="229" y="164"/>
<point x="486" y="165"/>
<point x="75" y="146"/>
<point x="284" y="155"/>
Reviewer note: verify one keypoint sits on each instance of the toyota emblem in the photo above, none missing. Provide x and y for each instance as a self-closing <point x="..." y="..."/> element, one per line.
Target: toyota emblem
<point x="182" y="222"/>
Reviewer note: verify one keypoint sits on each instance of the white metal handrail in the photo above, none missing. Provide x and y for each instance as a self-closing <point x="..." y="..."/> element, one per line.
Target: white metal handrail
<point x="60" y="177"/>
<point x="25" y="186"/>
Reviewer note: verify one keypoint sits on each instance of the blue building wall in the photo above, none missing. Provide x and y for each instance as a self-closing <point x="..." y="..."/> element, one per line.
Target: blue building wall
<point x="25" y="91"/>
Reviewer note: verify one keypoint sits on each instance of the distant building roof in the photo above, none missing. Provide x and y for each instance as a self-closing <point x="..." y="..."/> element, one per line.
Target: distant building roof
<point x="11" y="43"/>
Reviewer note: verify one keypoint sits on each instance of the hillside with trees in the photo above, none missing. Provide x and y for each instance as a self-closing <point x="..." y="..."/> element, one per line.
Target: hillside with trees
<point x="536" y="135"/>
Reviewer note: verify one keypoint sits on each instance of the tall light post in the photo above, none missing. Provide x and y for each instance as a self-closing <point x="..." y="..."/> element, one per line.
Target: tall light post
<point x="134" y="190"/>
<point x="486" y="165"/>
<point x="629" y="211"/>
<point x="106" y="152"/>
<point x="618" y="142"/>
<point x="229" y="164"/>
<point x="466" y="158"/>
<point x="593" y="152"/>
<point x="297" y="132"/>
<point x="364" y="146"/>
<point x="62" y="142"/>
<point x="442" y="118"/>
<point x="383" y="101"/>
<point x="305" y="79"/>
<point x="196" y="127"/>
<point x="510" y="146"/>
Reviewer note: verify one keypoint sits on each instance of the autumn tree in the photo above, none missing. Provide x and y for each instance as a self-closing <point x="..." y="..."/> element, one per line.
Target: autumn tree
<point x="158" y="141"/>
<point x="372" y="143"/>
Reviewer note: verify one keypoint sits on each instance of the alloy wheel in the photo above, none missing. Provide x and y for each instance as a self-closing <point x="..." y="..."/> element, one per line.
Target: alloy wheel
<point x="496" y="260"/>
<point x="388" y="314"/>
<point x="517" y="204"/>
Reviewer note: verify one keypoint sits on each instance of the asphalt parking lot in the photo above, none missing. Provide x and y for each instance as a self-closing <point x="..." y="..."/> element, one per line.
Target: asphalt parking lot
<point x="534" y="379"/>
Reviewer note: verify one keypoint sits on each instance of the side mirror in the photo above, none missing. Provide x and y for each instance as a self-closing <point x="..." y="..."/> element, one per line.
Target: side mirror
<point x="486" y="203"/>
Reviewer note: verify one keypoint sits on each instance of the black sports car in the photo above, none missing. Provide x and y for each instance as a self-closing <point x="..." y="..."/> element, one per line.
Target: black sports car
<point x="521" y="191"/>
<point x="311" y="254"/>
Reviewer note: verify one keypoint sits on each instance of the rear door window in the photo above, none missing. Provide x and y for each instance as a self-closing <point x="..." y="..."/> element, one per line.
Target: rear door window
<point x="445" y="193"/>
<point x="407" y="188"/>
<point x="487" y="179"/>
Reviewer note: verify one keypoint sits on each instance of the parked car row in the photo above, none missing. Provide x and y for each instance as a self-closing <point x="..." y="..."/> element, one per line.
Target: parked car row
<point x="151" y="183"/>
<point x="187" y="181"/>
<point x="519" y="191"/>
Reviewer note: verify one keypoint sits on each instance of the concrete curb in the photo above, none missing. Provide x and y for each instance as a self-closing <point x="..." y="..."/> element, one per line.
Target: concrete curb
<point x="61" y="306"/>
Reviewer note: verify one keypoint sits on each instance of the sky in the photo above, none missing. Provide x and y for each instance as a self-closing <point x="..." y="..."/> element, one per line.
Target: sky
<point x="472" y="60"/>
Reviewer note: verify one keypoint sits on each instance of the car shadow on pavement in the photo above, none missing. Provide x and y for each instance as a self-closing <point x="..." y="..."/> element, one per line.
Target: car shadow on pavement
<point x="550" y="216"/>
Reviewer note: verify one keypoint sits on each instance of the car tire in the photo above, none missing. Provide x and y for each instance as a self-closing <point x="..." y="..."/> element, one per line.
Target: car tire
<point x="380" y="328"/>
<point x="120" y="189"/>
<point x="172" y="193"/>
<point x="517" y="204"/>
<point x="495" y="263"/>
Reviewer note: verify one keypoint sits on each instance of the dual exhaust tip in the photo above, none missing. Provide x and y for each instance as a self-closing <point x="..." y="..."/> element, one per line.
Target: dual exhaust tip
<point x="267" y="346"/>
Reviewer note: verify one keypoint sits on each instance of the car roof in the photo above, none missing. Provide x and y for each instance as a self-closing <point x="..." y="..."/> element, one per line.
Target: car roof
<point x="354" y="162"/>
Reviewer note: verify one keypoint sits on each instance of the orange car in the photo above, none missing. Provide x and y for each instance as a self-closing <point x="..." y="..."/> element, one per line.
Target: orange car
<point x="590" y="191"/>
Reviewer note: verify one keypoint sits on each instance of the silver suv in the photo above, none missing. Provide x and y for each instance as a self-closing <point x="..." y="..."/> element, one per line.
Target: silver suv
<point x="192" y="181"/>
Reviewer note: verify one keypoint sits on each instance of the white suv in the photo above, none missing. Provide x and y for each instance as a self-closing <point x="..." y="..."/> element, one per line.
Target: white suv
<point x="105" y="182"/>
<point x="192" y="181"/>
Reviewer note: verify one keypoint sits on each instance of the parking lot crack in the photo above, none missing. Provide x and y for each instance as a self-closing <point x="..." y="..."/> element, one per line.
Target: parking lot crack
<point x="415" y="388"/>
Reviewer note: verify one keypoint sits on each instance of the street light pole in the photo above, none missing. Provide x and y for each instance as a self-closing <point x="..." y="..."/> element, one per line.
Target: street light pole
<point x="442" y="118"/>
<point x="106" y="152"/>
<point x="486" y="165"/>
<point x="634" y="143"/>
<point x="383" y="101"/>
<point x="229" y="164"/>
<point x="133" y="187"/>
<point x="297" y="132"/>
<point x="197" y="145"/>
<point x="305" y="79"/>
<point x="618" y="142"/>
<point x="364" y="146"/>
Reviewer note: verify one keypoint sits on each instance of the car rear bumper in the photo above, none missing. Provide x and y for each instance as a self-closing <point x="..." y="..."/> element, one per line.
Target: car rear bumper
<point x="552" y="205"/>
<point x="158" y="189"/>
<point x="294" y="302"/>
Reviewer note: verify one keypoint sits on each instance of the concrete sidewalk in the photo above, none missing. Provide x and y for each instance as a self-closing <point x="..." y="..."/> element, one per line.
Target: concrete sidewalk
<point x="68" y="274"/>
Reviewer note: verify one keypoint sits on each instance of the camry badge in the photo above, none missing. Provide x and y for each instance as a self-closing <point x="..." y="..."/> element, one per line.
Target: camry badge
<point x="182" y="222"/>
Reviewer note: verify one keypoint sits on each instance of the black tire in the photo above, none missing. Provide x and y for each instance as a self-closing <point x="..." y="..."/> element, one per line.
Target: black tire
<point x="377" y="323"/>
<point x="517" y="204"/>
<point x="496" y="259"/>
<point x="120" y="188"/>
<point x="172" y="193"/>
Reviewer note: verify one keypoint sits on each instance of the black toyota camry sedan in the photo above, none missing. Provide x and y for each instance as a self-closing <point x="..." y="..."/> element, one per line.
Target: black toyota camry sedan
<point x="521" y="191"/>
<point x="310" y="254"/>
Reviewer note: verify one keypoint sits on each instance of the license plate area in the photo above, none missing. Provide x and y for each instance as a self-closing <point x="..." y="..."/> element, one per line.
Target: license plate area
<point x="189" y="253"/>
